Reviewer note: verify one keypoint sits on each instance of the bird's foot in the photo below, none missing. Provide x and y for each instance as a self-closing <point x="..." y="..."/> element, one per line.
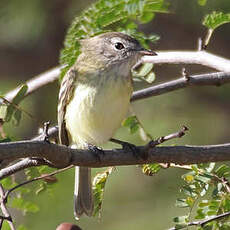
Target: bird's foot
<point x="126" y="146"/>
<point x="98" y="152"/>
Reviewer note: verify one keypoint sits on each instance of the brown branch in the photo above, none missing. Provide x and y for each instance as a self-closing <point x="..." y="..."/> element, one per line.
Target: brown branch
<point x="210" y="79"/>
<point x="61" y="156"/>
<point x="38" y="149"/>
<point x="20" y="165"/>
<point x="202" y="223"/>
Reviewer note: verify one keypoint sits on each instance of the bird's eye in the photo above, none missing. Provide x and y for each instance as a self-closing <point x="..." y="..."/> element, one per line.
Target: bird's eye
<point x="119" y="46"/>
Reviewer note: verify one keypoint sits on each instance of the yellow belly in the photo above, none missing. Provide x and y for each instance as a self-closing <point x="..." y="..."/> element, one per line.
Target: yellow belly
<point x="95" y="113"/>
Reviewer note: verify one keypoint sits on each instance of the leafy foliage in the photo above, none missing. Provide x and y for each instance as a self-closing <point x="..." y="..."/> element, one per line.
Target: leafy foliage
<point x="151" y="169"/>
<point x="216" y="19"/>
<point x="9" y="110"/>
<point x="99" y="188"/>
<point x="145" y="72"/>
<point x="206" y="192"/>
<point x="106" y="15"/>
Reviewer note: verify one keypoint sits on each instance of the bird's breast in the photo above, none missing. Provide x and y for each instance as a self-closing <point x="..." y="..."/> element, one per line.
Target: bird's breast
<point x="97" y="110"/>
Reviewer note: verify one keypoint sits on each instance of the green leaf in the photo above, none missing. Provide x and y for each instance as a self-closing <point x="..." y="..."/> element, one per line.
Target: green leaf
<point x="200" y="214"/>
<point x="145" y="72"/>
<point x="150" y="169"/>
<point x="226" y="204"/>
<point x="20" y="95"/>
<point x="25" y="206"/>
<point x="146" y="17"/>
<point x="3" y="111"/>
<point x="17" y="117"/>
<point x="11" y="108"/>
<point x="99" y="183"/>
<point x="181" y="219"/>
<point x="202" y="2"/>
<point x="222" y="170"/>
<point x="180" y="226"/>
<point x="31" y="207"/>
<point x="6" y="226"/>
<point x="203" y="203"/>
<point x="181" y="203"/>
<point x="7" y="183"/>
<point x="216" y="19"/>
<point x="132" y="123"/>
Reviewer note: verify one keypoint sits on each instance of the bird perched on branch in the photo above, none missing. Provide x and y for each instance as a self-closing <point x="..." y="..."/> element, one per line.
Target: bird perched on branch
<point x="94" y="98"/>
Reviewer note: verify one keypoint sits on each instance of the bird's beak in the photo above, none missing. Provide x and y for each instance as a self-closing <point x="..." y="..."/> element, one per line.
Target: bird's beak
<point x="147" y="52"/>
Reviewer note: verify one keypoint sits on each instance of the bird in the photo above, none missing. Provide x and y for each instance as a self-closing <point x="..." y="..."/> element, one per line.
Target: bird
<point x="94" y="99"/>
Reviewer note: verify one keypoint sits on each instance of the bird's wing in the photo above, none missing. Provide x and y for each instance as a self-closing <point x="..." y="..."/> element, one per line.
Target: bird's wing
<point x="65" y="95"/>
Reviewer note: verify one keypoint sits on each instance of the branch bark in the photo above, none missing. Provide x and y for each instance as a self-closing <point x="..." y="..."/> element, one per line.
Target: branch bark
<point x="5" y="211"/>
<point x="189" y="57"/>
<point x="61" y="156"/>
<point x="209" y="79"/>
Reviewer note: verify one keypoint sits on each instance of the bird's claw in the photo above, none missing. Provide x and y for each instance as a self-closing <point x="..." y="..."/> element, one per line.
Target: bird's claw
<point x="98" y="152"/>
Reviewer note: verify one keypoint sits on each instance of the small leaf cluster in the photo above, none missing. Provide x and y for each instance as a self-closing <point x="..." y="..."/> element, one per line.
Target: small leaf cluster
<point x="99" y="183"/>
<point x="151" y="169"/>
<point x="109" y="15"/>
<point x="9" y="111"/>
<point x="216" y="19"/>
<point x="18" y="201"/>
<point x="206" y="194"/>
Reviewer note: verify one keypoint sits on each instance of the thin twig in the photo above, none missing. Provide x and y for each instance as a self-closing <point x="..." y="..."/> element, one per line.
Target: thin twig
<point x="20" y="165"/>
<point x="161" y="140"/>
<point x="202" y="223"/>
<point x="5" y="210"/>
<point x="210" y="79"/>
<point x="7" y="193"/>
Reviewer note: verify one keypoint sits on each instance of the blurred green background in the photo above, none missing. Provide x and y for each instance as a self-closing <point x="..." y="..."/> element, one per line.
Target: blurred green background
<point x="31" y="36"/>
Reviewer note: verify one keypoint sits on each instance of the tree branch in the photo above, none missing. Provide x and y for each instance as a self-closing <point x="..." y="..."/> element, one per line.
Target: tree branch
<point x="20" y="165"/>
<point x="61" y="156"/>
<point x="202" y="223"/>
<point x="5" y="211"/>
<point x="189" y="57"/>
<point x="209" y="79"/>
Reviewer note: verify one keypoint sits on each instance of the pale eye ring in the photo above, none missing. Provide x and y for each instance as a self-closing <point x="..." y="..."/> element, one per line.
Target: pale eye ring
<point x="119" y="46"/>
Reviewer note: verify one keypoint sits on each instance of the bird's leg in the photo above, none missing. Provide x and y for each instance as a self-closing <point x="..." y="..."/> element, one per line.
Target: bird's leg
<point x="98" y="152"/>
<point x="45" y="131"/>
<point x="126" y="146"/>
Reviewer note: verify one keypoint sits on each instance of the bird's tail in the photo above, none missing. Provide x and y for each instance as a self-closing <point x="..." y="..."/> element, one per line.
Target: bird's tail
<point x="83" y="196"/>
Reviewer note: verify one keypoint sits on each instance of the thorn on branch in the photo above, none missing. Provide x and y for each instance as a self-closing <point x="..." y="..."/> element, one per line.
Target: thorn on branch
<point x="185" y="74"/>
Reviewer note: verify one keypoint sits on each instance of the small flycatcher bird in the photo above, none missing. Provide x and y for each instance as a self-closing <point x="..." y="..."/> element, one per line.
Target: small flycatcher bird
<point x="94" y="98"/>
